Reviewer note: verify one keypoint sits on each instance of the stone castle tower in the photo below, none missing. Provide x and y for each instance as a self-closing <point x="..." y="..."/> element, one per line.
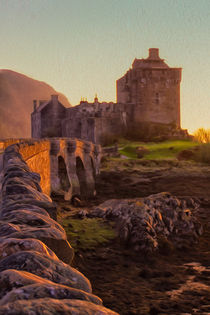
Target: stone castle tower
<point x="148" y="101"/>
<point x="154" y="90"/>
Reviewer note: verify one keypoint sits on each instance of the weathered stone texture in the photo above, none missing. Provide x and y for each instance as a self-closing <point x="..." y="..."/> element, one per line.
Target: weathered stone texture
<point x="46" y="119"/>
<point x="34" y="276"/>
<point x="38" y="159"/>
<point x="67" y="166"/>
<point x="154" y="89"/>
<point x="145" y="222"/>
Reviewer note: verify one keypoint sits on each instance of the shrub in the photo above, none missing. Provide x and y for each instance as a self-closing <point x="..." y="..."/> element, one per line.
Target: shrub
<point x="202" y="135"/>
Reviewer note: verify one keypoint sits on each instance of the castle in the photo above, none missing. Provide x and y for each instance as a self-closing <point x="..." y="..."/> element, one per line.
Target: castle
<point x="148" y="93"/>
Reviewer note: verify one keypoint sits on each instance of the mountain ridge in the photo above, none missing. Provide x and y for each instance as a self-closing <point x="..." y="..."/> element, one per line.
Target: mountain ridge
<point x="17" y="92"/>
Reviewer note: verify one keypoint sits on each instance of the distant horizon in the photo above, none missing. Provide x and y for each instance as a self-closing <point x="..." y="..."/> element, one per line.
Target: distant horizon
<point x="82" y="47"/>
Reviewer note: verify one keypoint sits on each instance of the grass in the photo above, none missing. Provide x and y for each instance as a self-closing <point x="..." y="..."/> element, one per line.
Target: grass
<point x="160" y="150"/>
<point x="87" y="233"/>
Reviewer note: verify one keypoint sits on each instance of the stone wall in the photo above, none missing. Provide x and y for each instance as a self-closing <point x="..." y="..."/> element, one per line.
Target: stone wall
<point x="35" y="275"/>
<point x="54" y="159"/>
<point x="36" y="155"/>
<point x="78" y="161"/>
<point x="96" y="121"/>
<point x="154" y="89"/>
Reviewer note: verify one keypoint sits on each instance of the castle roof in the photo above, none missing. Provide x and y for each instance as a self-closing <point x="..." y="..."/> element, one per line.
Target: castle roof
<point x="43" y="104"/>
<point x="152" y="61"/>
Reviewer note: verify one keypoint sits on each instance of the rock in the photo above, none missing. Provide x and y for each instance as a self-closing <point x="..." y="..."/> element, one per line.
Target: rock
<point x="48" y="290"/>
<point x="34" y="220"/>
<point x="186" y="155"/>
<point x="82" y="214"/>
<point x="20" y="285"/>
<point x="10" y="246"/>
<point x="18" y="191"/>
<point x="9" y="203"/>
<point x="20" y="207"/>
<point x="77" y="202"/>
<point x="53" y="306"/>
<point x="141" y="151"/>
<point x="12" y="180"/>
<point x="33" y="225"/>
<point x="47" y="268"/>
<point x="142" y="222"/>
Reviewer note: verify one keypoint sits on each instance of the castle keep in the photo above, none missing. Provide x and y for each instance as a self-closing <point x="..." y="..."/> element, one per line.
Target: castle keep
<point x="154" y="89"/>
<point x="148" y="93"/>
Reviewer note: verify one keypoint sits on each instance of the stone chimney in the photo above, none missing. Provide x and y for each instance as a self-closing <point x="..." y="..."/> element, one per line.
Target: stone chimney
<point x="54" y="99"/>
<point x="35" y="105"/>
<point x="154" y="53"/>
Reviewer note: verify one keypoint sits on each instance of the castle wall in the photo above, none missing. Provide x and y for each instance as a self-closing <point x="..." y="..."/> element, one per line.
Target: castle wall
<point x="36" y="125"/>
<point x="96" y="122"/>
<point x="154" y="88"/>
<point x="157" y="97"/>
<point x="51" y="118"/>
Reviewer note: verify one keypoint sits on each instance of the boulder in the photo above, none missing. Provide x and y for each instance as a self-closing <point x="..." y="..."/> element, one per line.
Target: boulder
<point x="186" y="155"/>
<point x="141" y="151"/>
<point x="143" y="222"/>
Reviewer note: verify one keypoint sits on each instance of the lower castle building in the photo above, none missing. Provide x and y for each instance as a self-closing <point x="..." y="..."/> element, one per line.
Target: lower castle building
<point x="148" y="93"/>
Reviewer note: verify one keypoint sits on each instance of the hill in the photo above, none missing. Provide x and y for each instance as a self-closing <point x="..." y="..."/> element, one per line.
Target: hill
<point x="17" y="92"/>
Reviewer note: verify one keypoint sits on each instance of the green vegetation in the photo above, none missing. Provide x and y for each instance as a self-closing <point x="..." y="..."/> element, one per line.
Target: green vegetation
<point x="160" y="150"/>
<point x="87" y="233"/>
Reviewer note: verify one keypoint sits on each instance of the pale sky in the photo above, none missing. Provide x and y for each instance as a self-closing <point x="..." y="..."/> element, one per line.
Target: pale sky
<point x="81" y="47"/>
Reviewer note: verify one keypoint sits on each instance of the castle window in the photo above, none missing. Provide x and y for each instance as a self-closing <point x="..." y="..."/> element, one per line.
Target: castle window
<point x="157" y="100"/>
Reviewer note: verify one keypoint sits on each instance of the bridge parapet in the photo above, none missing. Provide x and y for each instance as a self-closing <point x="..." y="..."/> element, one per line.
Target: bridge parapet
<point x="66" y="165"/>
<point x="74" y="164"/>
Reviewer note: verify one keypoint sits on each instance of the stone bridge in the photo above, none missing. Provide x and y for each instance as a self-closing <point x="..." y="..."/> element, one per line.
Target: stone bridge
<point x="35" y="255"/>
<point x="66" y="166"/>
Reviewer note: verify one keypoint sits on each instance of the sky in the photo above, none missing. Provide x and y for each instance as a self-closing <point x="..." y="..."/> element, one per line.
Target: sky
<point x="81" y="47"/>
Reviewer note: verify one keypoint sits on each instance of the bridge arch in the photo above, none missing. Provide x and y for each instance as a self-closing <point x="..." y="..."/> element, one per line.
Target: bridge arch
<point x="81" y="174"/>
<point x="93" y="168"/>
<point x="63" y="175"/>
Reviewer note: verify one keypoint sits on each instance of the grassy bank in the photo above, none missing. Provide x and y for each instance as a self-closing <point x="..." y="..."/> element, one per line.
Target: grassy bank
<point x="160" y="150"/>
<point x="87" y="233"/>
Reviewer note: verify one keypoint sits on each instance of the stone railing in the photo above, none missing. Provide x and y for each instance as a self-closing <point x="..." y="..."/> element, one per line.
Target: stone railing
<point x="35" y="275"/>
